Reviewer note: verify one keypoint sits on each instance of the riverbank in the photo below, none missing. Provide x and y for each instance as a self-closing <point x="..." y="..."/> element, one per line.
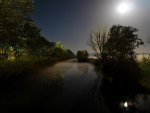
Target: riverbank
<point x="144" y="64"/>
<point x="136" y="71"/>
<point x="13" y="69"/>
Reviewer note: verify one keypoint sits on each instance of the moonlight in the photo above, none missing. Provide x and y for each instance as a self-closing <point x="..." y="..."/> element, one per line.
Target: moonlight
<point x="124" y="7"/>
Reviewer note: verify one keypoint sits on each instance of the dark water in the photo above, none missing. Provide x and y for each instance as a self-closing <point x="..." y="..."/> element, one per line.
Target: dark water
<point x="125" y="97"/>
<point x="72" y="87"/>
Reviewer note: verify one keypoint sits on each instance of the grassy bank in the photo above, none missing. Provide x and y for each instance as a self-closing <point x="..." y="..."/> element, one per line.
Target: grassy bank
<point x="15" y="69"/>
<point x="123" y="72"/>
<point x="145" y="67"/>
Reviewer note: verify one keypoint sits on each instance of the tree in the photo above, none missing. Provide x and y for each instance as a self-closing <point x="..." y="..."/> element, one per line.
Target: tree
<point x="13" y="15"/>
<point x="59" y="45"/>
<point x="32" y="39"/>
<point x="82" y="56"/>
<point x="122" y="42"/>
<point x="21" y="38"/>
<point x="97" y="42"/>
<point x="69" y="54"/>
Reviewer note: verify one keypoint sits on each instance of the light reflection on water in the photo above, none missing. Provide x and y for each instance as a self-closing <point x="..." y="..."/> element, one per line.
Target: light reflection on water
<point x="70" y="86"/>
<point x="122" y="99"/>
<point x="141" y="103"/>
<point x="126" y="104"/>
<point x="79" y="79"/>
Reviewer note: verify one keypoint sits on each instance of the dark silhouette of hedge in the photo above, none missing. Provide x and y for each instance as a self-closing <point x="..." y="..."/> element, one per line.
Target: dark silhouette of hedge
<point x="82" y="56"/>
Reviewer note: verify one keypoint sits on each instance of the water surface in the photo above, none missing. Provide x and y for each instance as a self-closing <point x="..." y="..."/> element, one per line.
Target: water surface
<point x="72" y="87"/>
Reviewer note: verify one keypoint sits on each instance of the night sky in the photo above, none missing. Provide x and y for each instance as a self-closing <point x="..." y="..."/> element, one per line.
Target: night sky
<point x="71" y="21"/>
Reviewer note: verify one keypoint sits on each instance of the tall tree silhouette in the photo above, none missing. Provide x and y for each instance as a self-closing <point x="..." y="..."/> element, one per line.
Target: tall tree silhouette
<point x="97" y="42"/>
<point x="122" y="42"/>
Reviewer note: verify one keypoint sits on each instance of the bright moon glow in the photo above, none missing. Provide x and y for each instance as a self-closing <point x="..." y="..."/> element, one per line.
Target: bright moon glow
<point x="124" y="7"/>
<point x="125" y="104"/>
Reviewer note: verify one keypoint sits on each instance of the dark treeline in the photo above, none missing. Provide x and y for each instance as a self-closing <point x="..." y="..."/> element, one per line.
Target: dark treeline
<point x="115" y="51"/>
<point x="20" y="38"/>
<point x="22" y="48"/>
<point x="82" y="56"/>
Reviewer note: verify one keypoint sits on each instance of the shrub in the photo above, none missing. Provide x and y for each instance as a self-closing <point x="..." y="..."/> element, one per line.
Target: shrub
<point x="82" y="56"/>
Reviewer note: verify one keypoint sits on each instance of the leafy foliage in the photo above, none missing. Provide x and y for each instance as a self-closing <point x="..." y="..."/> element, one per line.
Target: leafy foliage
<point x="82" y="56"/>
<point x="122" y="42"/>
<point x="118" y="43"/>
<point x="145" y="67"/>
<point x="20" y="38"/>
<point x="116" y="52"/>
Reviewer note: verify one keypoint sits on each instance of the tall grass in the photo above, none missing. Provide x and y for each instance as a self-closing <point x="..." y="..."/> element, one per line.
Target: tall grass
<point x="14" y="69"/>
<point x="145" y="67"/>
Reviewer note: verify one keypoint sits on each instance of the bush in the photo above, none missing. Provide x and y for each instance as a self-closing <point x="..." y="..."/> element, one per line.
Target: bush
<point x="82" y="56"/>
<point x="145" y="67"/>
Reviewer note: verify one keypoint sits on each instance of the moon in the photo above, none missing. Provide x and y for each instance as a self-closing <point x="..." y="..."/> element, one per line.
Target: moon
<point x="124" y="7"/>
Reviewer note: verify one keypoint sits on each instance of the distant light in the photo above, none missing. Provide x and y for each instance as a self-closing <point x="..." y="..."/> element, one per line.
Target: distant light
<point x="11" y="48"/>
<point x="126" y="104"/>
